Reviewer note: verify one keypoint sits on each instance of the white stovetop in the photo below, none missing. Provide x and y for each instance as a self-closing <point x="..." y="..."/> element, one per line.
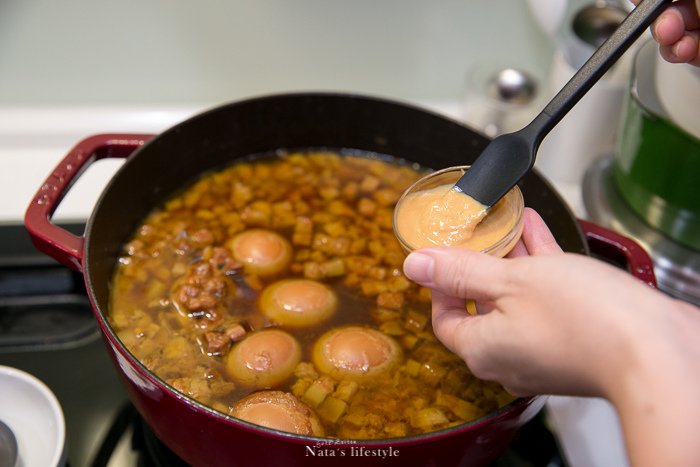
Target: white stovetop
<point x="34" y="140"/>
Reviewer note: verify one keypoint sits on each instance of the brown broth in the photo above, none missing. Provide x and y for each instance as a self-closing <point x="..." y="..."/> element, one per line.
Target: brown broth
<point x="348" y="200"/>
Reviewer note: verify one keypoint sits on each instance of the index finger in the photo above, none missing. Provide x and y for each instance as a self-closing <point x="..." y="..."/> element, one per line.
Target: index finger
<point x="537" y="237"/>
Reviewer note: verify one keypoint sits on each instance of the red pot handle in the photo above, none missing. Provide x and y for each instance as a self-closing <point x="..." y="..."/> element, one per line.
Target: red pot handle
<point x="49" y="238"/>
<point x="620" y="249"/>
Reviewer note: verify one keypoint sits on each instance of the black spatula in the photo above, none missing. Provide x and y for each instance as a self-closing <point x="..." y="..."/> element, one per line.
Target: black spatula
<point x="510" y="156"/>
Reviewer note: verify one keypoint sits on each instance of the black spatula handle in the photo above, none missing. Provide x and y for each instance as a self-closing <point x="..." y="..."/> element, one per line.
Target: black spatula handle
<point x="509" y="157"/>
<point x="602" y="59"/>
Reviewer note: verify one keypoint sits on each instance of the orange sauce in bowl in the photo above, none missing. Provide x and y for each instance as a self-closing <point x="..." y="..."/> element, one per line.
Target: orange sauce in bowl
<point x="442" y="216"/>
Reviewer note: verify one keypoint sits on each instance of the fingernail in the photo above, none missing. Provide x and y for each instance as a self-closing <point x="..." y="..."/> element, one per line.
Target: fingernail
<point x="676" y="49"/>
<point x="655" y="27"/>
<point x="419" y="267"/>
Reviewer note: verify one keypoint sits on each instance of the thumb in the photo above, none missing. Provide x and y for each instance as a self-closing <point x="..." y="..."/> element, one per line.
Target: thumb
<point x="457" y="272"/>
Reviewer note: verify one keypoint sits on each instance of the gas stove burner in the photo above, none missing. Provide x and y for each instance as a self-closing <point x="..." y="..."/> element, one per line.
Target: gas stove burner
<point x="677" y="267"/>
<point x="153" y="453"/>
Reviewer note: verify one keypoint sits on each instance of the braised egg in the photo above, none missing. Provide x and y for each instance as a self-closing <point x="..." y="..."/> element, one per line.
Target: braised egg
<point x="264" y="358"/>
<point x="355" y="352"/>
<point x="280" y="411"/>
<point x="262" y="252"/>
<point x="298" y="302"/>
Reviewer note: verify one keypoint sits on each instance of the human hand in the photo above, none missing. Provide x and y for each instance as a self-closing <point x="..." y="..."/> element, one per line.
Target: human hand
<point x="556" y="323"/>
<point x="677" y="31"/>
<point x="548" y="322"/>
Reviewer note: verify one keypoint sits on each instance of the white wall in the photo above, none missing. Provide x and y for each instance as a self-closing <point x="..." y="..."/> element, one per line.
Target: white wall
<point x="183" y="51"/>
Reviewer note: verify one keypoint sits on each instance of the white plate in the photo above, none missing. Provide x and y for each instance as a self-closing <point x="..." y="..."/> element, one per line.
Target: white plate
<point x="35" y="417"/>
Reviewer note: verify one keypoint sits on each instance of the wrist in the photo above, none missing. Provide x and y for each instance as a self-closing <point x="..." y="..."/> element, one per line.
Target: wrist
<point x="655" y="394"/>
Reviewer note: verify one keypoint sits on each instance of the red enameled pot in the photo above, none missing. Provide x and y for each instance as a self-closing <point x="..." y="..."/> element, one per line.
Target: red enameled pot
<point x="156" y="167"/>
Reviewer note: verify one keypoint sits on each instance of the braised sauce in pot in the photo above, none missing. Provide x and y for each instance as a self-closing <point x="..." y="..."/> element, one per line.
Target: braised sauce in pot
<point x="272" y="291"/>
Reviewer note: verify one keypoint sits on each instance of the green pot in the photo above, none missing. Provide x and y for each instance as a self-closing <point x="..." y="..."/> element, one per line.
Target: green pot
<point x="656" y="163"/>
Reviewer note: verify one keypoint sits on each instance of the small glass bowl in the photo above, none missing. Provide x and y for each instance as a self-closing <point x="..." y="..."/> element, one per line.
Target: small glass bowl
<point x="513" y="200"/>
